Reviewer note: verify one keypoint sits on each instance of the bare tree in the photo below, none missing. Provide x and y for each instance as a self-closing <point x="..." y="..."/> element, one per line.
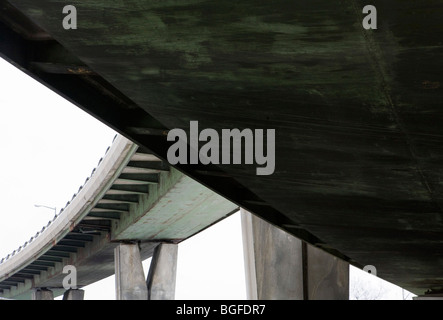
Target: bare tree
<point x="365" y="289"/>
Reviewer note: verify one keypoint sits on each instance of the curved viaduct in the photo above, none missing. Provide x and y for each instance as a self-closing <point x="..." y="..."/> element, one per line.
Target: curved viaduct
<point x="131" y="197"/>
<point x="357" y="113"/>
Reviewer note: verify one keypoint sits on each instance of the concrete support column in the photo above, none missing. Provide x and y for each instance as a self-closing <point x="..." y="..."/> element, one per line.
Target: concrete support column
<point x="282" y="267"/>
<point x="42" y="294"/>
<point x="74" y="294"/>
<point x="327" y="276"/>
<point x="162" y="272"/>
<point x="273" y="261"/>
<point x="129" y="276"/>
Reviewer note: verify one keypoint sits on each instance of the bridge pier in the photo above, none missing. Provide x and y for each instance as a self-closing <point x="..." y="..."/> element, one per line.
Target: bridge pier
<point x="282" y="267"/>
<point x="42" y="294"/>
<point x="162" y="272"/>
<point x="129" y="276"/>
<point x="74" y="294"/>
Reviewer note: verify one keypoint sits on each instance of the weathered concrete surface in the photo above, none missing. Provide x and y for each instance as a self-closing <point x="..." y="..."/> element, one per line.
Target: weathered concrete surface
<point x="281" y="267"/>
<point x="249" y="255"/>
<point x="274" y="261"/>
<point x="95" y="262"/>
<point x="357" y="113"/>
<point x="129" y="276"/>
<point x="42" y="294"/>
<point x="163" y="272"/>
<point x="74" y="294"/>
<point x="327" y="276"/>
<point x="173" y="210"/>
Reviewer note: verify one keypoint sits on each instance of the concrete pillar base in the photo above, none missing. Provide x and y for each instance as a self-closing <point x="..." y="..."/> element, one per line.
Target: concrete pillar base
<point x="273" y="261"/>
<point x="129" y="276"/>
<point x="162" y="272"/>
<point x="42" y="294"/>
<point x="327" y="276"/>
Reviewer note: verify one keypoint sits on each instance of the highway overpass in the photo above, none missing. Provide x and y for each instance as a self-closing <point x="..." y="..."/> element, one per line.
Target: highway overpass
<point x="357" y="112"/>
<point x="133" y="198"/>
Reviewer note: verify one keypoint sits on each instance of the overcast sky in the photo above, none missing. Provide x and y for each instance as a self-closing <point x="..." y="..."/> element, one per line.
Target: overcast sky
<point x="49" y="147"/>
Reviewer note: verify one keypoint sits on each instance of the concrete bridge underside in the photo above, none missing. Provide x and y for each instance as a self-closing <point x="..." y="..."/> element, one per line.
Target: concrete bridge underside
<point x="357" y="113"/>
<point x="132" y="198"/>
